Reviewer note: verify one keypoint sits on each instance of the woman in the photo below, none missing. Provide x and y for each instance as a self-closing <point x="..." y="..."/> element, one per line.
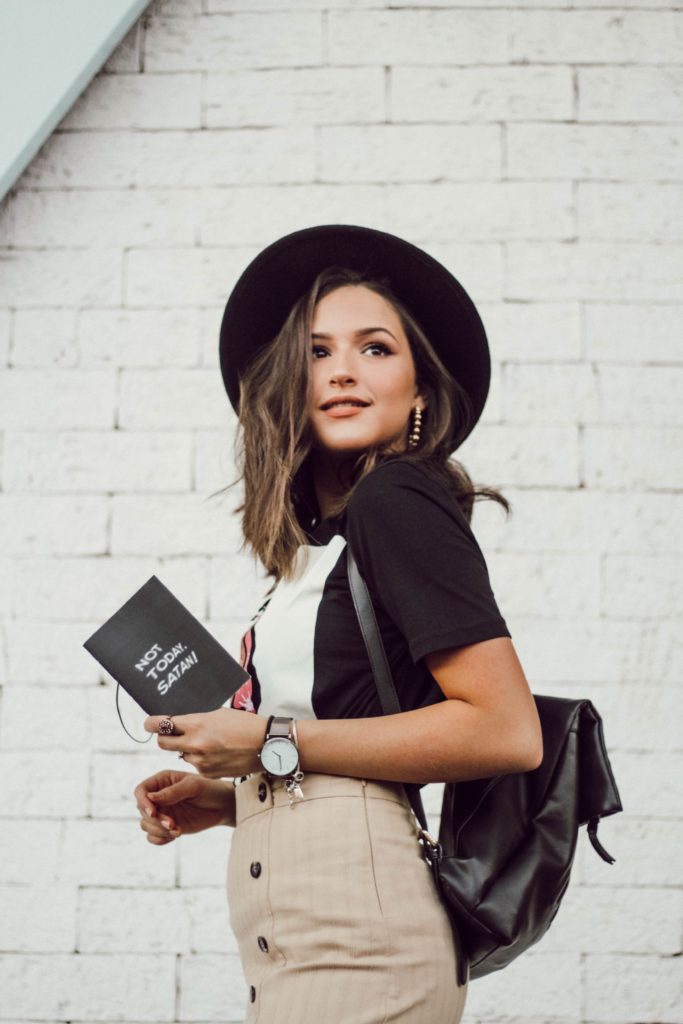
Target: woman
<point x="357" y="364"/>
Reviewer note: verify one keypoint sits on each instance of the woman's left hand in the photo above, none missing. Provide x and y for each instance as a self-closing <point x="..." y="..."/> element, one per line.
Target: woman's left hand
<point x="218" y="743"/>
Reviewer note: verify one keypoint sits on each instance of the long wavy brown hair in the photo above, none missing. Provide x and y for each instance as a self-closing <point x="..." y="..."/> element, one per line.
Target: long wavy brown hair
<point x="273" y="440"/>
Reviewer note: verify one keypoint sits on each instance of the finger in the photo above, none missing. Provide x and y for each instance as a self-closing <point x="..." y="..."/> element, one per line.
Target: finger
<point x="146" y="809"/>
<point x="158" y="820"/>
<point x="144" y="804"/>
<point x="160" y="841"/>
<point x="155" y="828"/>
<point x="161" y="835"/>
<point x="181" y="790"/>
<point x="151" y="723"/>
<point x="173" y="742"/>
<point x="193" y="760"/>
<point x="158" y="833"/>
<point x="159" y="780"/>
<point x="148" y="786"/>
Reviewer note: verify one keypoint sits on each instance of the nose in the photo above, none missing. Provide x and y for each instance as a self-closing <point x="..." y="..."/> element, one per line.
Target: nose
<point x="340" y="369"/>
<point x="341" y="377"/>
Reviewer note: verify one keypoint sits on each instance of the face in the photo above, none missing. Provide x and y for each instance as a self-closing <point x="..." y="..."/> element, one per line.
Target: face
<point x="361" y="355"/>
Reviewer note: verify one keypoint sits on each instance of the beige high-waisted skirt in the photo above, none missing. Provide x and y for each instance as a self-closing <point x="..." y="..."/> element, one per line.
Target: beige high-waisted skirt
<point x="334" y="909"/>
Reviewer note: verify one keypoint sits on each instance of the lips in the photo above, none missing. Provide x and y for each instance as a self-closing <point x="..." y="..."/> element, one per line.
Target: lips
<point x="344" y="403"/>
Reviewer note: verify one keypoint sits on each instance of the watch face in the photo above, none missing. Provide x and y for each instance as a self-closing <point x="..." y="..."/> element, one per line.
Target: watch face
<point x="279" y="756"/>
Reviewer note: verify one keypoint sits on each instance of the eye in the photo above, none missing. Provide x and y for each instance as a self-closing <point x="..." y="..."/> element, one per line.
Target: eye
<point x="316" y="349"/>
<point x="380" y="346"/>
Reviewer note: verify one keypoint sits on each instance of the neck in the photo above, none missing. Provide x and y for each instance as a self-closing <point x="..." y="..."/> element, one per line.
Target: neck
<point x="331" y="478"/>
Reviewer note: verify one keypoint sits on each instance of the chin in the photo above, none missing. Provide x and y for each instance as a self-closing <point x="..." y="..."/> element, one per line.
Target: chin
<point x="343" y="449"/>
<point x="358" y="446"/>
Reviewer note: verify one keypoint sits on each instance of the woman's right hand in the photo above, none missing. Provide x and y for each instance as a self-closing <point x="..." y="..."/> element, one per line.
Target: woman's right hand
<point x="172" y="804"/>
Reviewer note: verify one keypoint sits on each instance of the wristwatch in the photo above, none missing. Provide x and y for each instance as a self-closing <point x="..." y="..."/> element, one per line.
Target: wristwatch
<point x="279" y="754"/>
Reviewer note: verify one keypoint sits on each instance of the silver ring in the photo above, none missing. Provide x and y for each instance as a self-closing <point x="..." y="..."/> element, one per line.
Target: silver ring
<point x="166" y="727"/>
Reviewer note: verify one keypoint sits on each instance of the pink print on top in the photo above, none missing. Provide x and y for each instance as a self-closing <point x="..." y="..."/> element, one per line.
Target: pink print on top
<point x="242" y="698"/>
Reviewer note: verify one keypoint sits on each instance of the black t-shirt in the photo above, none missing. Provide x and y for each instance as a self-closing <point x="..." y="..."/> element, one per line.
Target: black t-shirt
<point x="428" y="582"/>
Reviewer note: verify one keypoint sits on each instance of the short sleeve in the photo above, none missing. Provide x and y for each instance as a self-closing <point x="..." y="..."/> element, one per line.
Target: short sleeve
<point x="420" y="559"/>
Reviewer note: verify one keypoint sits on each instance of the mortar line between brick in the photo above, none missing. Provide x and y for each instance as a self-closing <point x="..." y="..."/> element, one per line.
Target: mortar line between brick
<point x="203" y="92"/>
<point x="324" y="39"/>
<point x="503" y="152"/>
<point x="12" y="329"/>
<point x="581" y="454"/>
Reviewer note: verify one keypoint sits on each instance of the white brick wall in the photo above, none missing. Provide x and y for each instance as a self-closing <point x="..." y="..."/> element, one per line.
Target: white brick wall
<point x="535" y="147"/>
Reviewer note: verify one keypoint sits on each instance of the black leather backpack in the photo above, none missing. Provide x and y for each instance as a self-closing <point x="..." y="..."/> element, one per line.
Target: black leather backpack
<point x="506" y="844"/>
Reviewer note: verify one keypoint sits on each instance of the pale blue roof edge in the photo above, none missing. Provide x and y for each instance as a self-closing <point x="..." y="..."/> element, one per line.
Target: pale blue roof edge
<point x="113" y="34"/>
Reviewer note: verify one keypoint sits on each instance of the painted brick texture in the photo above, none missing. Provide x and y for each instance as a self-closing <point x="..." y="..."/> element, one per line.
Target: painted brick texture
<point x="535" y="147"/>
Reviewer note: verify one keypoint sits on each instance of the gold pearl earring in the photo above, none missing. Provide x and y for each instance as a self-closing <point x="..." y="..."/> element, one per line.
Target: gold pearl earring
<point x="414" y="438"/>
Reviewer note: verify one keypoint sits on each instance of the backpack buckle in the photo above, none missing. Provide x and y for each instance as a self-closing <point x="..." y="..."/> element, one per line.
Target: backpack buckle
<point x="431" y="847"/>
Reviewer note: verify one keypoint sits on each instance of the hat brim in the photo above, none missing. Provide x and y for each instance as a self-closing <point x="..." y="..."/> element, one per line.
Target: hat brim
<point x="266" y="291"/>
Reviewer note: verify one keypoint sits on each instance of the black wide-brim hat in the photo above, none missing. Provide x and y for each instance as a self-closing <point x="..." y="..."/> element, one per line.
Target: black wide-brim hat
<point x="264" y="295"/>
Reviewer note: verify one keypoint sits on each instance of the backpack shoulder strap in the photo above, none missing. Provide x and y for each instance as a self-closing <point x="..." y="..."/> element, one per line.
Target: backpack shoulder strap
<point x="381" y="670"/>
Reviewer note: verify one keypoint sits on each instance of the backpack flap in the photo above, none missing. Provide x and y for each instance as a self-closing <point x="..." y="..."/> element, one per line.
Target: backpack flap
<point x="598" y="793"/>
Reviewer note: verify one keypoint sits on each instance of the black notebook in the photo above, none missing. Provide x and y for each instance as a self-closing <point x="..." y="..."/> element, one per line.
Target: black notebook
<point x="163" y="656"/>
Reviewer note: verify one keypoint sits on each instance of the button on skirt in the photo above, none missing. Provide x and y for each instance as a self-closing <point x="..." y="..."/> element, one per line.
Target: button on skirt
<point x="334" y="909"/>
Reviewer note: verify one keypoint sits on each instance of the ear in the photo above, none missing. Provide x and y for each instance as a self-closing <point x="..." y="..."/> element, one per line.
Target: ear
<point x="421" y="398"/>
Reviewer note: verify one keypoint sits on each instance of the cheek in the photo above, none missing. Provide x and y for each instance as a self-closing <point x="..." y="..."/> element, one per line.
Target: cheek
<point x="399" y="385"/>
<point x="315" y="389"/>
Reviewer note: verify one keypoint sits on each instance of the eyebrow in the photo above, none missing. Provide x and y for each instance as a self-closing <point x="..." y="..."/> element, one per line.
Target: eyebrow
<point x="358" y="334"/>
